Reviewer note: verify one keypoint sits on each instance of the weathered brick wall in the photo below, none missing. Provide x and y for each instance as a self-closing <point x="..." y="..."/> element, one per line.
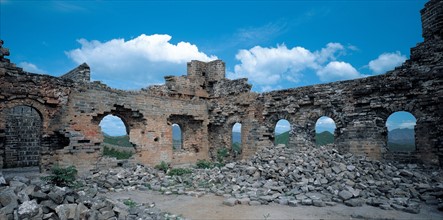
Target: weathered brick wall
<point x="23" y="137"/>
<point x="206" y="106"/>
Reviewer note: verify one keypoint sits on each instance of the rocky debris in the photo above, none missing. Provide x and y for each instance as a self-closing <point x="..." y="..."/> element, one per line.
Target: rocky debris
<point x="291" y="176"/>
<point x="21" y="199"/>
<point x="288" y="176"/>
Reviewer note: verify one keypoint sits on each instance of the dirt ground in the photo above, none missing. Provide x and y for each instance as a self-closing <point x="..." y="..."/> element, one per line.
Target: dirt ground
<point x="211" y="207"/>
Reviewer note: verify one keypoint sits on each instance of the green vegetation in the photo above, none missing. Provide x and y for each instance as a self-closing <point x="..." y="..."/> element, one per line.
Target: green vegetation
<point x="122" y="141"/>
<point x="236" y="148"/>
<point x="179" y="171"/>
<point x="120" y="155"/>
<point x="62" y="176"/>
<point x="130" y="203"/>
<point x="324" y="138"/>
<point x="162" y="166"/>
<point x="222" y="153"/>
<point x="282" y="138"/>
<point x="204" y="164"/>
<point x="320" y="138"/>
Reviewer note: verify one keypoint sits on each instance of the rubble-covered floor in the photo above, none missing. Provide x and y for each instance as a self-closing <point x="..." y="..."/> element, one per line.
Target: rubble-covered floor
<point x="275" y="178"/>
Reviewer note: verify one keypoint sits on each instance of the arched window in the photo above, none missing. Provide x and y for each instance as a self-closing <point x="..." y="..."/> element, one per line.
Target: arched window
<point x="324" y="131"/>
<point x="236" y="139"/>
<point x="282" y="132"/>
<point x="177" y="140"/>
<point x="401" y="131"/>
<point x="115" y="138"/>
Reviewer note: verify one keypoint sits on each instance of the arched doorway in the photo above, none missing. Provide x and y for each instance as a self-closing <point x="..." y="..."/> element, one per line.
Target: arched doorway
<point x="282" y="132"/>
<point x="401" y="131"/>
<point x="23" y="137"/>
<point x="324" y="131"/>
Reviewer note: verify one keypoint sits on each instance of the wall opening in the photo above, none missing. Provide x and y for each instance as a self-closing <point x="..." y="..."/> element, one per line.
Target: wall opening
<point x="23" y="136"/>
<point x="324" y="131"/>
<point x="236" y="139"/>
<point x="177" y="140"/>
<point x="401" y="132"/>
<point x="282" y="132"/>
<point x="115" y="138"/>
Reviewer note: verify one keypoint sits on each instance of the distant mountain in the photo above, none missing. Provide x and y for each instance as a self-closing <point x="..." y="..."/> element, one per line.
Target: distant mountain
<point x="236" y="137"/>
<point x="321" y="138"/>
<point x="401" y="139"/>
<point x="122" y="141"/>
<point x="402" y="136"/>
<point x="282" y="138"/>
<point x="324" y="138"/>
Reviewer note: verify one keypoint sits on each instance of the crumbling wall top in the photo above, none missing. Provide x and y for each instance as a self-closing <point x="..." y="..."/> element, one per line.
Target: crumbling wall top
<point x="432" y="20"/>
<point x="206" y="71"/>
<point x="81" y="73"/>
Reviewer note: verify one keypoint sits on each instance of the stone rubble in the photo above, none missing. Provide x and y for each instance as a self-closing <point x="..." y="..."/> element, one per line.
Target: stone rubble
<point x="290" y="176"/>
<point x="22" y="198"/>
<point x="305" y="176"/>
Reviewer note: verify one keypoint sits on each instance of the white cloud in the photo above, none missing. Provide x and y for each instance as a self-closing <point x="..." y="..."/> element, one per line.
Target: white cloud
<point x="113" y="125"/>
<point x="30" y="67"/>
<point x="282" y="126"/>
<point x="329" y="52"/>
<point x="393" y="124"/>
<point x="145" y="59"/>
<point x="337" y="70"/>
<point x="267" y="66"/>
<point x="325" y="124"/>
<point x="236" y="127"/>
<point x="407" y="124"/>
<point x="386" y="61"/>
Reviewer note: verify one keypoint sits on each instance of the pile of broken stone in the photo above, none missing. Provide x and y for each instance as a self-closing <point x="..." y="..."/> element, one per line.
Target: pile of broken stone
<point x="317" y="176"/>
<point x="293" y="176"/>
<point x="31" y="198"/>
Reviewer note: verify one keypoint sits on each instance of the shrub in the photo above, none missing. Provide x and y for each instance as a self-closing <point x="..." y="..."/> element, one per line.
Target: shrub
<point x="204" y="164"/>
<point x="179" y="171"/>
<point x="222" y="153"/>
<point x="130" y="203"/>
<point x="162" y="166"/>
<point x="62" y="176"/>
<point x="236" y="147"/>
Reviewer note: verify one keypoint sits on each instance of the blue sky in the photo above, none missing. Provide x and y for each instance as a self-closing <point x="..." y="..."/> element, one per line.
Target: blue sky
<point x="276" y="44"/>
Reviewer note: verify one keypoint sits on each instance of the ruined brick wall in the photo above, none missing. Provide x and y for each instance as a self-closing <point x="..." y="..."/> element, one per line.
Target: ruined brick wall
<point x="206" y="105"/>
